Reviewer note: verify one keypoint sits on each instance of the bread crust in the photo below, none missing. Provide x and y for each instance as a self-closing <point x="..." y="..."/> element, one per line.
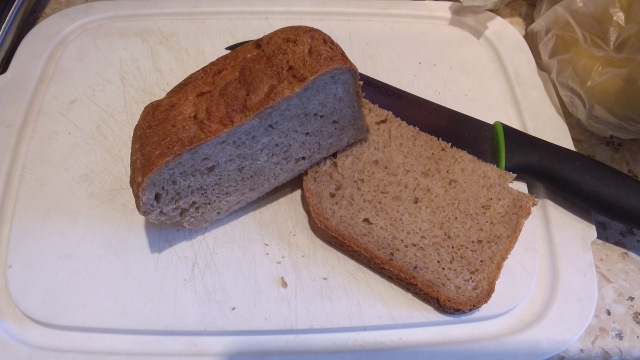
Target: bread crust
<point x="228" y="92"/>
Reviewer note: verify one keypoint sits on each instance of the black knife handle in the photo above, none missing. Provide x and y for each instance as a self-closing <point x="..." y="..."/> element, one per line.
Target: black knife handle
<point x="586" y="181"/>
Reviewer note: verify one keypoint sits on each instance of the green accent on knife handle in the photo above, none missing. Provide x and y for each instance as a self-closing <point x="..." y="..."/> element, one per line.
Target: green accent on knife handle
<point x="498" y="135"/>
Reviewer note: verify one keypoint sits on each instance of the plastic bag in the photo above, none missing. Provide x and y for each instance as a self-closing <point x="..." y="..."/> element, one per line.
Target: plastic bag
<point x="591" y="51"/>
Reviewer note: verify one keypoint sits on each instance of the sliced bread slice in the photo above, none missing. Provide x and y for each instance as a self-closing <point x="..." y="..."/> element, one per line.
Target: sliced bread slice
<point x="431" y="218"/>
<point x="242" y="125"/>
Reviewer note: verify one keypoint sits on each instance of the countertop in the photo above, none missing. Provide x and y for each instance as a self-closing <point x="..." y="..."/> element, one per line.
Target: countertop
<point x="614" y="331"/>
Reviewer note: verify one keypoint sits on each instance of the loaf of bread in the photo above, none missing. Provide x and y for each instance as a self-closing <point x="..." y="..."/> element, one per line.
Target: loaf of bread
<point x="244" y="124"/>
<point x="431" y="218"/>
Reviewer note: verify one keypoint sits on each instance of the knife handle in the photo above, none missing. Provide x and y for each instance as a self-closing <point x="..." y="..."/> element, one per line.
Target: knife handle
<point x="586" y="181"/>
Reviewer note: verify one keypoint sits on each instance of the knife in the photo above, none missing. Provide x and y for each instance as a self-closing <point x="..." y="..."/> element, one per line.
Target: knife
<point x="585" y="181"/>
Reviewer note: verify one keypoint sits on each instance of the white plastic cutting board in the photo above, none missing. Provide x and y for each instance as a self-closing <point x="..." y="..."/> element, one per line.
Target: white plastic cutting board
<point x="84" y="273"/>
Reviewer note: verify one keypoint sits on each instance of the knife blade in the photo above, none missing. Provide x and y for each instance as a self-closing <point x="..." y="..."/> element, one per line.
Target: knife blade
<point x="581" y="179"/>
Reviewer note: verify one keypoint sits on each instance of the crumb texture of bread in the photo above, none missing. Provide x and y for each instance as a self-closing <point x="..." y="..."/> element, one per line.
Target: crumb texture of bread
<point x="431" y="218"/>
<point x="244" y="124"/>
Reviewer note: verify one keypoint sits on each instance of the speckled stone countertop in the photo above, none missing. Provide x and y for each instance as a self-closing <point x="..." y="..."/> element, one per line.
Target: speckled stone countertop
<point x="614" y="331"/>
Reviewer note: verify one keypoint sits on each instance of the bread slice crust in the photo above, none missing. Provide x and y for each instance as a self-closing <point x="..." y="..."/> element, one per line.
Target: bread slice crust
<point x="428" y="217"/>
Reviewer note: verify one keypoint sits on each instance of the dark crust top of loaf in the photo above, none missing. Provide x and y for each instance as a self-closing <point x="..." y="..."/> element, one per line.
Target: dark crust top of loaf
<point x="227" y="92"/>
